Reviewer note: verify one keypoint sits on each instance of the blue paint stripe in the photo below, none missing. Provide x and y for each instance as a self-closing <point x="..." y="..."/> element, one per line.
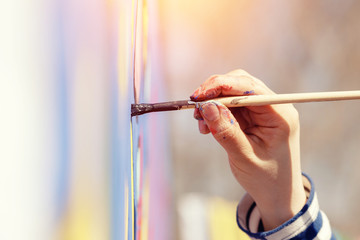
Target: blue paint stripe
<point x="333" y="237"/>
<point x="117" y="178"/>
<point x="62" y="103"/>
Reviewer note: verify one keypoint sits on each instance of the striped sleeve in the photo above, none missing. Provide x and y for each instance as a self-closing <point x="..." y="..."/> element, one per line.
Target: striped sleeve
<point x="309" y="223"/>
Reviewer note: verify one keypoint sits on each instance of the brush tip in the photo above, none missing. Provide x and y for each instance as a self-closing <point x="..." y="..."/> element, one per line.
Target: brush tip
<point x="139" y="109"/>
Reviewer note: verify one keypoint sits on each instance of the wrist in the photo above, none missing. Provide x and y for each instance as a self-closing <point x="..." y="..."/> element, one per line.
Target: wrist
<point x="309" y="221"/>
<point x="282" y="205"/>
<point x="278" y="215"/>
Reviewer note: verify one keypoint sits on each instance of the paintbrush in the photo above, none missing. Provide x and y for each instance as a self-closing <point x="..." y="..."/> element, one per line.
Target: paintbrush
<point x="247" y="100"/>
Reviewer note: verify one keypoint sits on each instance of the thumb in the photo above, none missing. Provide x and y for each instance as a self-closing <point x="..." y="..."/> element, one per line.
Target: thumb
<point x="224" y="127"/>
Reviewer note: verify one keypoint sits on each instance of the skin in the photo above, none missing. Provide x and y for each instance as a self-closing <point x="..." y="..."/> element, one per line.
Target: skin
<point x="262" y="144"/>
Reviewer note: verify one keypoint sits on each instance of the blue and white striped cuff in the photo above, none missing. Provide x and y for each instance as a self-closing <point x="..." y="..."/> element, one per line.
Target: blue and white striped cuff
<point x="309" y="223"/>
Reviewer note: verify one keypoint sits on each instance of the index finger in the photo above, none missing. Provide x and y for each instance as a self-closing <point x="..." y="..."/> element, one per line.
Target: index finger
<point x="229" y="85"/>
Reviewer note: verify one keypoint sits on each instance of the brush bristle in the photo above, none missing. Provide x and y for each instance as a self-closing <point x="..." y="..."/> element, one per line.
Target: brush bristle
<point x="139" y="109"/>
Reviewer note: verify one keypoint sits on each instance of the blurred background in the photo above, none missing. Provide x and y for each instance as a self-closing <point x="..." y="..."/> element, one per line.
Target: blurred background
<point x="293" y="46"/>
<point x="66" y="84"/>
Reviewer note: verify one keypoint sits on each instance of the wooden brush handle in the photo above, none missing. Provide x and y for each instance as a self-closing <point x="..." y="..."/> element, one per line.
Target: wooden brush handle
<point x="260" y="100"/>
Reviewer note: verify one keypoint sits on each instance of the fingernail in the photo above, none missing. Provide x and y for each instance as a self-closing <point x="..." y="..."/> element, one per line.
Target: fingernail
<point x="210" y="111"/>
<point x="195" y="95"/>
<point x="197" y="114"/>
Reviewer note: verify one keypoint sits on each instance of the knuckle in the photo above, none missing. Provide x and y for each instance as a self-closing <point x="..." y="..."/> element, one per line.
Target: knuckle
<point x="212" y="82"/>
<point x="213" y="78"/>
<point x="248" y="78"/>
<point x="239" y="72"/>
<point x="215" y="82"/>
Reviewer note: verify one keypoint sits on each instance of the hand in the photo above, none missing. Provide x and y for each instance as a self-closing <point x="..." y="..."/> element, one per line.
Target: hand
<point x="262" y="144"/>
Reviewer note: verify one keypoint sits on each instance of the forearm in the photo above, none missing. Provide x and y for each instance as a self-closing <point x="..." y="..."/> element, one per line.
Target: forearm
<point x="278" y="188"/>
